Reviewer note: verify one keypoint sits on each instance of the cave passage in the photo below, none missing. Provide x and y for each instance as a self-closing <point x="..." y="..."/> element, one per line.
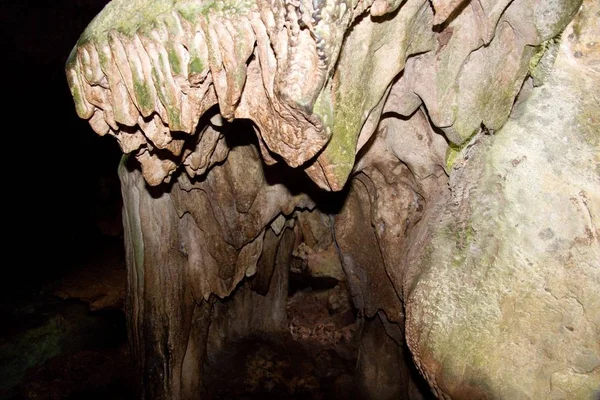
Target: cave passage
<point x="318" y="316"/>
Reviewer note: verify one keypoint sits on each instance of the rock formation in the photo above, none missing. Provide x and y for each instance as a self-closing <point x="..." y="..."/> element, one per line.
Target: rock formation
<point x="389" y="190"/>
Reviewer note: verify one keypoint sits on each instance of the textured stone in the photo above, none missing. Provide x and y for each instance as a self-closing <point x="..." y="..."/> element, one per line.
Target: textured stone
<point x="371" y="288"/>
<point x="460" y="137"/>
<point x="506" y="304"/>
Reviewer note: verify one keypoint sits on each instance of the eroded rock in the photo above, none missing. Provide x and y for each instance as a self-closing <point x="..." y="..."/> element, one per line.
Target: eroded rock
<point x="506" y="302"/>
<point x="458" y="200"/>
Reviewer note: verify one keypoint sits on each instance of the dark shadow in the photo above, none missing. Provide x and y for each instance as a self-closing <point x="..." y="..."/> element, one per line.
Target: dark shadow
<point x="275" y="367"/>
<point x="455" y="13"/>
<point x="418" y="379"/>
<point x="302" y="282"/>
<point x="388" y="16"/>
<point x="242" y="133"/>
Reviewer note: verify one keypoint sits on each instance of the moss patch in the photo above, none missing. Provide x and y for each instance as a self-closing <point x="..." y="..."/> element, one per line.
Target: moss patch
<point x="143" y="96"/>
<point x="196" y="66"/>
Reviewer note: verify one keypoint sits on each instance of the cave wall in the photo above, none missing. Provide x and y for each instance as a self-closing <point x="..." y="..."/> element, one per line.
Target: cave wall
<point x="222" y="277"/>
<point x="503" y="297"/>
<point x="435" y="164"/>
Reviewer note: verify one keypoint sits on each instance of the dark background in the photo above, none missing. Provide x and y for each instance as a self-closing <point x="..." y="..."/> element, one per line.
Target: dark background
<point x="57" y="171"/>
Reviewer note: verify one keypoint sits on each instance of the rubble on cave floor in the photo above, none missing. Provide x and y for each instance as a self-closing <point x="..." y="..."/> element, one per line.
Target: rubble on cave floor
<point x="322" y="318"/>
<point x="314" y="359"/>
<point x="282" y="368"/>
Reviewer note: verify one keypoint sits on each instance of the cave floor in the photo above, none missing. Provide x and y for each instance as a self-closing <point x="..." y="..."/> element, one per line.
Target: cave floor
<point x="65" y="338"/>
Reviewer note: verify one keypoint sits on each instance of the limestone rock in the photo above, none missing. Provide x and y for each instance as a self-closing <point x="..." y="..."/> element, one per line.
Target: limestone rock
<point x="459" y="139"/>
<point x="506" y="302"/>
